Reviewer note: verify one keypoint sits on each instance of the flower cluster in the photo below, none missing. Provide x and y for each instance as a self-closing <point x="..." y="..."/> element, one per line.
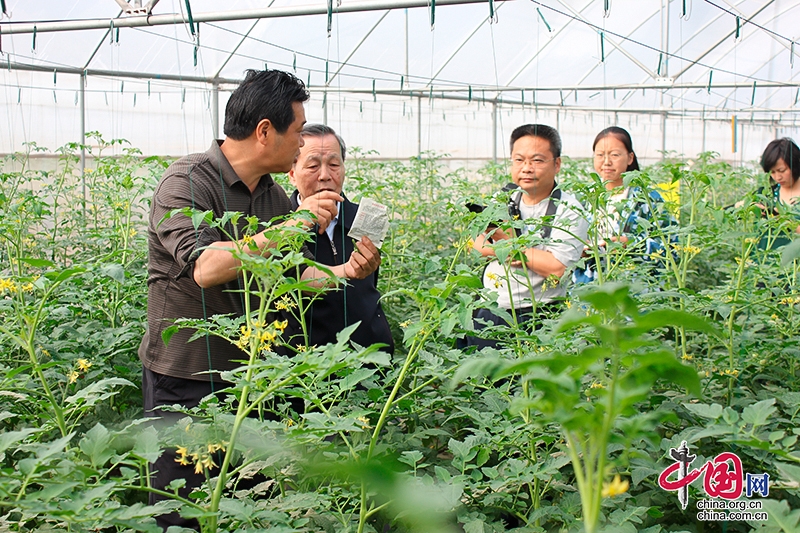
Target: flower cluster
<point x="285" y="303"/>
<point x="495" y="278"/>
<point x="9" y="286"/>
<point x="260" y="334"/>
<point x="81" y="367"/>
<point x="202" y="459"/>
<point x="690" y="250"/>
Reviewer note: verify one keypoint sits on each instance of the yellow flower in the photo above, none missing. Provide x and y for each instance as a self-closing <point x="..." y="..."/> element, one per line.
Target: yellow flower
<point x="181" y="458"/>
<point x="28" y="287"/>
<point x="405" y="323"/>
<point x="247" y="240"/>
<point x="492" y="276"/>
<point x="470" y="242"/>
<point x="730" y="372"/>
<point x="208" y="463"/>
<point x="364" y="422"/>
<point x="73" y="376"/>
<point x="6" y="285"/>
<point x="280" y="326"/>
<point x="285" y="303"/>
<point x="597" y="385"/>
<point x="568" y="304"/>
<point x="687" y="357"/>
<point x="198" y="468"/>
<point x="84" y="365"/>
<point x="615" y="488"/>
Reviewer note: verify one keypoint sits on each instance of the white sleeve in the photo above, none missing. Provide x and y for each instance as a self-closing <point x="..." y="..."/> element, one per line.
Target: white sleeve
<point x="568" y="236"/>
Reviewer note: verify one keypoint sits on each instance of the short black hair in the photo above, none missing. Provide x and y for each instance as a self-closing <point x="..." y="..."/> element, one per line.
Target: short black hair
<point x="784" y="149"/>
<point x="264" y="94"/>
<point x="622" y="135"/>
<point x="321" y="130"/>
<point x="547" y="133"/>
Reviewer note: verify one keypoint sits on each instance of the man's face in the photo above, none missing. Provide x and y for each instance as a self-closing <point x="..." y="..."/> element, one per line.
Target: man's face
<point x="286" y="146"/>
<point x="533" y="167"/>
<point x="319" y="167"/>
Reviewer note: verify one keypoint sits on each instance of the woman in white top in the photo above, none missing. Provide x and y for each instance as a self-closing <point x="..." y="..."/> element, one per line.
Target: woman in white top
<point x="617" y="220"/>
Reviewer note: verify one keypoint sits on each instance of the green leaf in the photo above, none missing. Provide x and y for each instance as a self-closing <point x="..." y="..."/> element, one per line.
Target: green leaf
<point x="198" y="217"/>
<point x="442" y="474"/>
<point x="168" y="332"/>
<point x="781" y="517"/>
<point x="758" y="413"/>
<point x="673" y="317"/>
<point x="474" y="526"/>
<point x="712" y="412"/>
<point x="355" y="377"/>
<point x="411" y="457"/>
<point x="114" y="271"/>
<point x="38" y="263"/>
<point x="790" y="252"/>
<point x="51" y="491"/>
<point x="96" y="444"/>
<point x="789" y="472"/>
<point x="146" y="445"/>
<point x="11" y="438"/>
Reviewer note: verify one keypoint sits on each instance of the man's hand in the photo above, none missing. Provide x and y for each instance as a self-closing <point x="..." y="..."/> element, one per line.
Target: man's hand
<point x="364" y="260"/>
<point x="323" y="206"/>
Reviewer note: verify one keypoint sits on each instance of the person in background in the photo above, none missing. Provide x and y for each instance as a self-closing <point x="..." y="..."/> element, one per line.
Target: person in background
<point x="619" y="220"/>
<point x="530" y="288"/>
<point x="192" y="272"/>
<point x="318" y="169"/>
<point x="781" y="160"/>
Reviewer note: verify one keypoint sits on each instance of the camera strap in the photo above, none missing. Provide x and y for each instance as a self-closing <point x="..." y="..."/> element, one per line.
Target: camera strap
<point x="552" y="205"/>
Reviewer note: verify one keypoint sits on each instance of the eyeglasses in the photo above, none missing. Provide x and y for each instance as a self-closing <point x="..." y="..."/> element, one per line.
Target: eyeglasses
<point x="536" y="162"/>
<point x="612" y="156"/>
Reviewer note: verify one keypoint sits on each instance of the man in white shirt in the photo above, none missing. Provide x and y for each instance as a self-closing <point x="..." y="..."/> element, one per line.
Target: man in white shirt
<point x="530" y="283"/>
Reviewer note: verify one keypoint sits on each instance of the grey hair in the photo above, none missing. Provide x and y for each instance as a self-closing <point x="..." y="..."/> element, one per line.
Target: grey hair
<point x="321" y="130"/>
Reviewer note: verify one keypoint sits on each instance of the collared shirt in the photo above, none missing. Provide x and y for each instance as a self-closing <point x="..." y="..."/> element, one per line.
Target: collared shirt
<point x="519" y="287"/>
<point x="206" y="182"/>
<point x="332" y="225"/>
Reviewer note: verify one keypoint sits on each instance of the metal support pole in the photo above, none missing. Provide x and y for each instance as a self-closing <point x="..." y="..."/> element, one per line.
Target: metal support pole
<point x="220" y="16"/>
<point x="325" y="107"/>
<point x="665" y="37"/>
<point x="494" y="132"/>
<point x="408" y="83"/>
<point x="704" y="133"/>
<point x="663" y="136"/>
<point x="419" y="126"/>
<point x="215" y="109"/>
<point x="82" y="101"/>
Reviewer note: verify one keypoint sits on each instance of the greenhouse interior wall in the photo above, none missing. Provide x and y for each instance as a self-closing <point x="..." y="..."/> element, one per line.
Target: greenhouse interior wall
<point x="174" y="119"/>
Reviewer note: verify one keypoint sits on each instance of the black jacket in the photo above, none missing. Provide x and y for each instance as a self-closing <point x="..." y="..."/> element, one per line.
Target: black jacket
<point x="356" y="301"/>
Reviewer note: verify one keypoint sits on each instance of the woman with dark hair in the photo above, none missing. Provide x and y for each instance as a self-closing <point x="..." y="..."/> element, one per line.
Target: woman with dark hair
<point x="618" y="220"/>
<point x="781" y="160"/>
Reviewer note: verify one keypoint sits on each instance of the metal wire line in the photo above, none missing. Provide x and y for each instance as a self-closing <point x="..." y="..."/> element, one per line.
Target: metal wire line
<point x="750" y="21"/>
<point x="650" y="47"/>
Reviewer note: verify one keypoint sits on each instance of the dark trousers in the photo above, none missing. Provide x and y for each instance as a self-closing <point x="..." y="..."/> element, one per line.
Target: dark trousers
<point x="525" y="316"/>
<point x="159" y="390"/>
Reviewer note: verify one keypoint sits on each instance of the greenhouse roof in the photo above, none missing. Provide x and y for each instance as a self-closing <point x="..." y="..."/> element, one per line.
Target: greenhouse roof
<point x="672" y="58"/>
